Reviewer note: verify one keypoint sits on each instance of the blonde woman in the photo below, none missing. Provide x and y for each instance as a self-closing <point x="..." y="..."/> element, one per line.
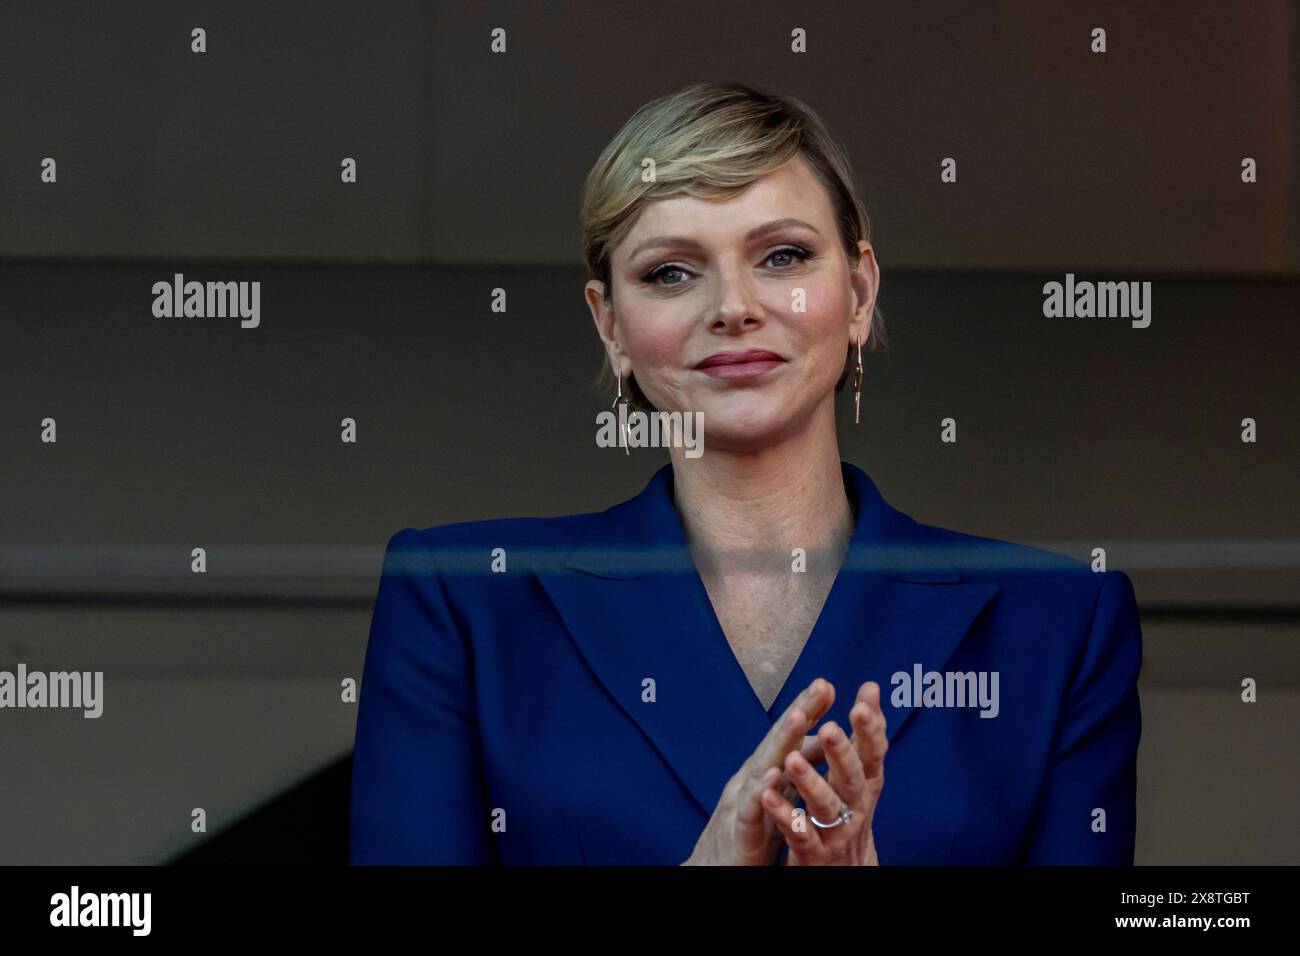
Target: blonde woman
<point x="756" y="660"/>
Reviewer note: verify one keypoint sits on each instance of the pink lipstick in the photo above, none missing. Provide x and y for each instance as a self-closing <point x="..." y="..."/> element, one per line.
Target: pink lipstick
<point x="749" y="363"/>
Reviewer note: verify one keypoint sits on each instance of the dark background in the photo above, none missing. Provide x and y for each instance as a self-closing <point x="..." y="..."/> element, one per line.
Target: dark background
<point x="222" y="690"/>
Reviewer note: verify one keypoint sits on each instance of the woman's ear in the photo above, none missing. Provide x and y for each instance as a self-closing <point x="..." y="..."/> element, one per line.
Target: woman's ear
<point x="602" y="314"/>
<point x="864" y="276"/>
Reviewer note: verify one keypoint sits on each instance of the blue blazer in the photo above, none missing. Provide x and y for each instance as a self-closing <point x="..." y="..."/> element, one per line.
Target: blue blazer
<point x="559" y="691"/>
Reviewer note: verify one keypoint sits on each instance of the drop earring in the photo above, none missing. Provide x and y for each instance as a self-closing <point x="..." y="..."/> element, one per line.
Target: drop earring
<point x="857" y="385"/>
<point x="622" y="425"/>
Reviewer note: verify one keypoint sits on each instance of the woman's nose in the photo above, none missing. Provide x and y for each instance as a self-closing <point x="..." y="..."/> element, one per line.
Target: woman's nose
<point x="738" y="300"/>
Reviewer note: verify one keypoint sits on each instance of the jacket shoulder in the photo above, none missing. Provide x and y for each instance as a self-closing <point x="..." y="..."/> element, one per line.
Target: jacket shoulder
<point x="533" y="542"/>
<point x="972" y="551"/>
<point x="1052" y="604"/>
<point x="1013" y="565"/>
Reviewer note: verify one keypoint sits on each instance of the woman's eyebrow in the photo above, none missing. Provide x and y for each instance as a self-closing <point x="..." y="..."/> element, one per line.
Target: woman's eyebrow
<point x="776" y="225"/>
<point x="684" y="242"/>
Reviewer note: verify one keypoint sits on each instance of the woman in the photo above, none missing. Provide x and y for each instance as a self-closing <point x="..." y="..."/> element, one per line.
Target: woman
<point x="648" y="684"/>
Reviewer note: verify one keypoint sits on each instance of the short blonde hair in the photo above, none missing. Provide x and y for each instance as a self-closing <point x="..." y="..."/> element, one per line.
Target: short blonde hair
<point x="711" y="140"/>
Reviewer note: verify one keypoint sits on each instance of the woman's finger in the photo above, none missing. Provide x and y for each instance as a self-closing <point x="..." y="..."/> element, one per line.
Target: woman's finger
<point x="869" y="737"/>
<point x="846" y="776"/>
<point x="788" y="733"/>
<point x="749" y="807"/>
<point x="802" y="837"/>
<point x="813" y="750"/>
<point x="818" y="795"/>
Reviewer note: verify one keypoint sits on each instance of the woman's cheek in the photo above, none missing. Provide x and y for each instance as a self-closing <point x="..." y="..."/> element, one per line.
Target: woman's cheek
<point x="813" y="332"/>
<point x="656" y="344"/>
<point x="821" y="336"/>
<point x="645" y="352"/>
<point x="832" y="309"/>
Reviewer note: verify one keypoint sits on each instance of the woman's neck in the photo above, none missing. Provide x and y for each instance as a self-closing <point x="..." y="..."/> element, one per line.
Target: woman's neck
<point x="750" y="510"/>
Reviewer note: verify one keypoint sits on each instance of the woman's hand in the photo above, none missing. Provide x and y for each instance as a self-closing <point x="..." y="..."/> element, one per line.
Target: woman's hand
<point x="739" y="833"/>
<point x="856" y="777"/>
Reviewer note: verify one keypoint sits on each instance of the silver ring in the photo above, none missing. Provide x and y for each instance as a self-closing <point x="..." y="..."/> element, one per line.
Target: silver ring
<point x="845" y="816"/>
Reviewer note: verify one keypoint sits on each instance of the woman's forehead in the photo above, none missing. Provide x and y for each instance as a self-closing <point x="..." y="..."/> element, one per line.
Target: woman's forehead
<point x="791" y="191"/>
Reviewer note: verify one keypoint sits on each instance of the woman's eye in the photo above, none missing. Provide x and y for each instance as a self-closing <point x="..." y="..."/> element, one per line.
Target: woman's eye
<point x="654" y="276"/>
<point x="794" y="252"/>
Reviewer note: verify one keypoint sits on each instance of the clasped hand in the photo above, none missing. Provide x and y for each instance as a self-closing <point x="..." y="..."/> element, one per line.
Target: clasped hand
<point x="756" y="814"/>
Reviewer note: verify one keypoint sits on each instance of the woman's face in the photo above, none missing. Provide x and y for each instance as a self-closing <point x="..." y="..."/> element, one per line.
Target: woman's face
<point x="762" y="271"/>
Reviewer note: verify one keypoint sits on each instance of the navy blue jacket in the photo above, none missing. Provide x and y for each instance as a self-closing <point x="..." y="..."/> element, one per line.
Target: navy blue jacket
<point x="559" y="691"/>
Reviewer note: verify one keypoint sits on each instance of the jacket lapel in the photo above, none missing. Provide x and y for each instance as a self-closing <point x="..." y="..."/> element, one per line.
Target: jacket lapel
<point x="631" y="598"/>
<point x="896" y="602"/>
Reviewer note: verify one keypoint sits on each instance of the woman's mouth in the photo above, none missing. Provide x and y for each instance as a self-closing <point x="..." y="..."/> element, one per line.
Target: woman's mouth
<point x="749" y="363"/>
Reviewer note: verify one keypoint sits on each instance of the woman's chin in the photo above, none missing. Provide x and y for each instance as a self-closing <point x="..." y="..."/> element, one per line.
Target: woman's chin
<point x="745" y="432"/>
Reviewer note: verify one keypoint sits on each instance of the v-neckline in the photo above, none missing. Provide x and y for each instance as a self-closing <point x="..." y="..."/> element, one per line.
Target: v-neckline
<point x="633" y="603"/>
<point x="829" y="609"/>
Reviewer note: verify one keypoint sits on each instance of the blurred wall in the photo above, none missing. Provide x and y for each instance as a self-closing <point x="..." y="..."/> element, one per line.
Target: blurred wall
<point x="1124" y="160"/>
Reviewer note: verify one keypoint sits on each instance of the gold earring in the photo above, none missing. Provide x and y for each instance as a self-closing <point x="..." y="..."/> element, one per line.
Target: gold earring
<point x="857" y="385"/>
<point x="622" y="428"/>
